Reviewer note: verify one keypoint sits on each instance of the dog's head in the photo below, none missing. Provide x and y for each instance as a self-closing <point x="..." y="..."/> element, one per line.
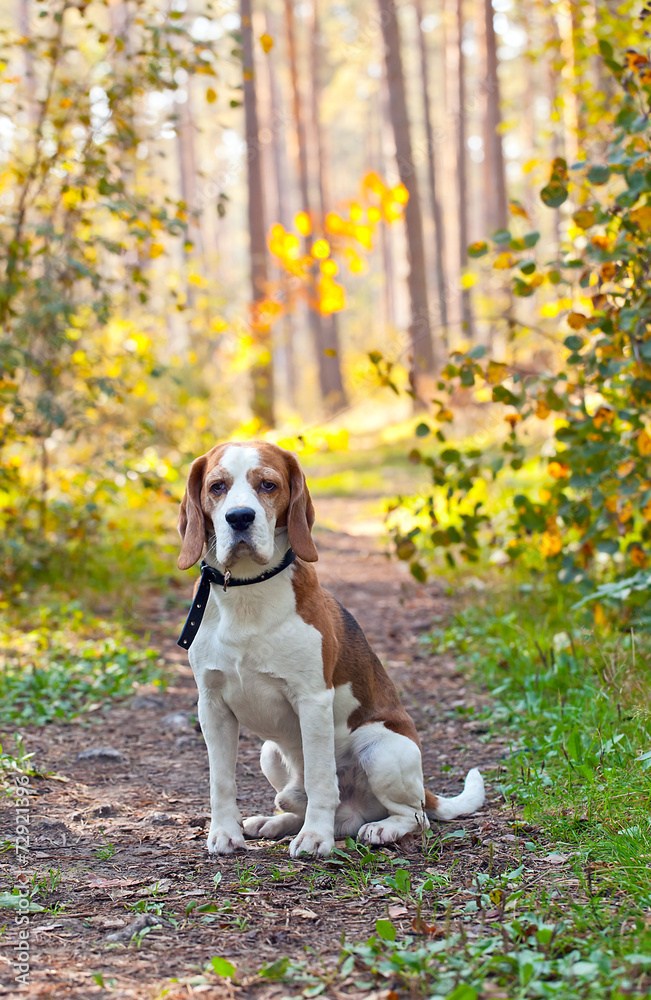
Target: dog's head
<point x="237" y="495"/>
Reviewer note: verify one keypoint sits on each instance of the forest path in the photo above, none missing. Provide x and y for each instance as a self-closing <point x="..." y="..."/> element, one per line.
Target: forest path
<point x="115" y="829"/>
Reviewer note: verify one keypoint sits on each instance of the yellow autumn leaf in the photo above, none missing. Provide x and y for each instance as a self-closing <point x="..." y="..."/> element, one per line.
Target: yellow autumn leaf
<point x="626" y="513"/>
<point x="607" y="271"/>
<point x="625" y="468"/>
<point x="544" y="494"/>
<point x="642" y="218"/>
<point x="542" y="410"/>
<point x="211" y="95"/>
<point x="584" y="218"/>
<point x="638" y="556"/>
<point x="513" y="418"/>
<point x="504" y="261"/>
<point x="495" y="372"/>
<point x="598" y="614"/>
<point x="267" y="43"/>
<point x="576" y="320"/>
<point x="604" y="415"/>
<point x="331" y="296"/>
<point x="550" y="544"/>
<point x="400" y="194"/>
<point x="156" y="249"/>
<point x="611" y="504"/>
<point x="302" y="223"/>
<point x="320" y="249"/>
<point x="557" y="470"/>
<point x="644" y="443"/>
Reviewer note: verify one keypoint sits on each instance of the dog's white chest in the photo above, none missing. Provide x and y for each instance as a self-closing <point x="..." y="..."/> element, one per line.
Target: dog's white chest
<point x="262" y="657"/>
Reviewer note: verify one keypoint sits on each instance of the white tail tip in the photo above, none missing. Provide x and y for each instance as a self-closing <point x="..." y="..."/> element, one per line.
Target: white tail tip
<point x="472" y="797"/>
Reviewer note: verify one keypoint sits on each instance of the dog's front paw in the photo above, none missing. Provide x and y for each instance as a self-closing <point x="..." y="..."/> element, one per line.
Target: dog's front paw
<point x="222" y="841"/>
<point x="386" y="831"/>
<point x="272" y="827"/>
<point x="312" y="842"/>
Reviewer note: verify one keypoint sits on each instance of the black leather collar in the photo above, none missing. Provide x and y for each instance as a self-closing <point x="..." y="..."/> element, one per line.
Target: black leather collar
<point x="210" y="575"/>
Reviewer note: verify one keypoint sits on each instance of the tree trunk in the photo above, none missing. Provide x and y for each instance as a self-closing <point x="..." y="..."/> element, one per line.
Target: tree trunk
<point x="494" y="174"/>
<point x="466" y="306"/>
<point x="283" y="209"/>
<point x="383" y="119"/>
<point x="432" y="171"/>
<point x="423" y="359"/>
<point x="335" y="395"/>
<point x="315" y="318"/>
<point x="262" y="370"/>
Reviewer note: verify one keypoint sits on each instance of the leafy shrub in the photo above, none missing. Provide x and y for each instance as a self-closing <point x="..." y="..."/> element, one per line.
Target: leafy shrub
<point x="592" y="514"/>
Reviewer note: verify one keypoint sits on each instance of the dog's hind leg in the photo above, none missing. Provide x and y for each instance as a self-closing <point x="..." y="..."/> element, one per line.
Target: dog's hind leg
<point x="393" y="766"/>
<point x="291" y="797"/>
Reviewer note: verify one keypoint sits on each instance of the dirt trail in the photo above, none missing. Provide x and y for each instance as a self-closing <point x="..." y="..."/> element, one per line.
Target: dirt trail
<point x="113" y="828"/>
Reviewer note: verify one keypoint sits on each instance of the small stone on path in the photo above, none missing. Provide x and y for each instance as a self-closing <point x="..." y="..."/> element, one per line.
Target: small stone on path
<point x="177" y="720"/>
<point x="154" y="702"/>
<point x="107" y="755"/>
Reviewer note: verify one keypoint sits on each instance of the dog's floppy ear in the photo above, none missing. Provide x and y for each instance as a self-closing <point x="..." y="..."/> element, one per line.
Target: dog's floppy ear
<point x="192" y="527"/>
<point x="300" y="515"/>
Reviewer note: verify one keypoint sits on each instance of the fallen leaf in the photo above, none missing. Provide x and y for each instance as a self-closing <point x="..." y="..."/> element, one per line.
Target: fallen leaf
<point x="397" y="911"/>
<point x="555" y="859"/>
<point x="419" y="926"/>
<point x="301" y="911"/>
<point x="113" y="883"/>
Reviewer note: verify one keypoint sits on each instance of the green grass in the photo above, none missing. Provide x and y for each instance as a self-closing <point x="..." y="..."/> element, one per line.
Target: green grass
<point x="577" y="710"/>
<point x="66" y="663"/>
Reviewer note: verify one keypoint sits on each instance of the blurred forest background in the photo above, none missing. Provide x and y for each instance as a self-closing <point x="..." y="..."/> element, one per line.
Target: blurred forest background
<point x="407" y="234"/>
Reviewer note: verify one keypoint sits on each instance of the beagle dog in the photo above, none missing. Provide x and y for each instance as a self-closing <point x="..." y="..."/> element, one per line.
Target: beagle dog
<point x="272" y="651"/>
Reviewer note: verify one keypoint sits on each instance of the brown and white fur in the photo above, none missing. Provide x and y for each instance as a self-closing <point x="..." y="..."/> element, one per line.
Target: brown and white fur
<point x="285" y="659"/>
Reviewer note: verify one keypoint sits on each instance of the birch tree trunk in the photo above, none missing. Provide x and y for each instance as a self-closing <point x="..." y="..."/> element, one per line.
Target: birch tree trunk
<point x="262" y="370"/>
<point x="423" y="359"/>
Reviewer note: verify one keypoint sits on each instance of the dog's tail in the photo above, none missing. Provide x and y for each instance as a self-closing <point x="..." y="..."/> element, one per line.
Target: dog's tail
<point x="471" y="798"/>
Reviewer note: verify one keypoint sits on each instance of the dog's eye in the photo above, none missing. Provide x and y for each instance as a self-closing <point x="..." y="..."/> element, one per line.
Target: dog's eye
<point x="267" y="486"/>
<point x="218" y="488"/>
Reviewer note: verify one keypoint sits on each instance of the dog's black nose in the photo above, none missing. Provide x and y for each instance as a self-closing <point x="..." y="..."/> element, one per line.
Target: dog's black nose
<point x="240" y="518"/>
